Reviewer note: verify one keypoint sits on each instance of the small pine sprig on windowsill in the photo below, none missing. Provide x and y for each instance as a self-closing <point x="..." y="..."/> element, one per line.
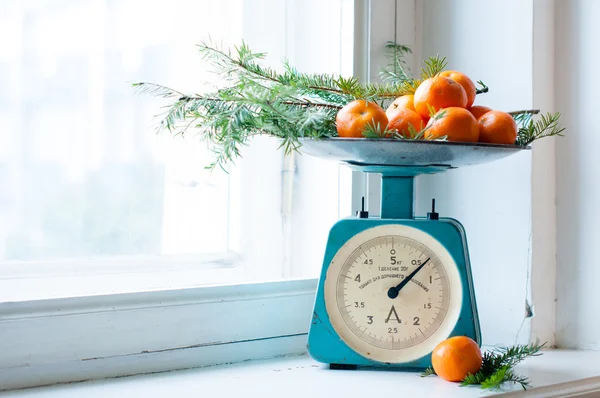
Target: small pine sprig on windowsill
<point x="497" y="367"/>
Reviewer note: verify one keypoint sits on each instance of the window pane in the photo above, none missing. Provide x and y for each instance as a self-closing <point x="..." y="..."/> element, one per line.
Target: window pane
<point x="84" y="175"/>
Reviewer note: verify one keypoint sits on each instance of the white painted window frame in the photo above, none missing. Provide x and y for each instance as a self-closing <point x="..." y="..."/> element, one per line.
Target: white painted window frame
<point x="69" y="339"/>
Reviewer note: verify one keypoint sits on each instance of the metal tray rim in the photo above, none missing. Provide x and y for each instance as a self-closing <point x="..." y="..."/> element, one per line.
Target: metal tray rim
<point x="413" y="142"/>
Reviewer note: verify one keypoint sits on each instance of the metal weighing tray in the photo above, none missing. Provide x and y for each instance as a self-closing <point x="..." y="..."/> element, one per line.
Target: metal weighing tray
<point x="389" y="152"/>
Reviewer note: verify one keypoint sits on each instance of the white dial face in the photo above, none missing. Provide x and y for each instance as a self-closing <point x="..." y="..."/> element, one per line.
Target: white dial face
<point x="393" y="293"/>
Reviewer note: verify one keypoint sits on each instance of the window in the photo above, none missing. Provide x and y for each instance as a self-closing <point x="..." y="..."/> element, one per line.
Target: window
<point x="90" y="189"/>
<point x="152" y="296"/>
<point x="120" y="254"/>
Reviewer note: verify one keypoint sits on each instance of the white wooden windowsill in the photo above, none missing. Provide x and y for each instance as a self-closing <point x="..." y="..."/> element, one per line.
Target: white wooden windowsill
<point x="300" y="376"/>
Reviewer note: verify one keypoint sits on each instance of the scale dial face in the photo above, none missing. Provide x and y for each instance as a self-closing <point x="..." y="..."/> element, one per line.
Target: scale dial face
<point x="406" y="323"/>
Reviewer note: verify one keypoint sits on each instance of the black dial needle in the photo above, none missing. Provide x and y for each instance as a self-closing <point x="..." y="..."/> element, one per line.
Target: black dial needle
<point x="393" y="292"/>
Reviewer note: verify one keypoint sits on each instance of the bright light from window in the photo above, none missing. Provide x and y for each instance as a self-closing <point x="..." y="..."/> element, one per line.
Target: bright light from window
<point x="83" y="173"/>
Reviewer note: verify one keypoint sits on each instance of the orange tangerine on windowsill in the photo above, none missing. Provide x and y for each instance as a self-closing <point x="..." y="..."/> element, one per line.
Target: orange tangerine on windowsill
<point x="456" y="357"/>
<point x="354" y="117"/>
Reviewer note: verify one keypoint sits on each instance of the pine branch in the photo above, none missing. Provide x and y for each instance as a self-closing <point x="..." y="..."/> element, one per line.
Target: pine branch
<point x="428" y="372"/>
<point x="547" y="126"/>
<point x="396" y="71"/>
<point x="495" y="379"/>
<point x="483" y="89"/>
<point x="497" y="366"/>
<point x="288" y="105"/>
<point x="523" y="117"/>
<point x="510" y="376"/>
<point x="433" y="67"/>
<point x="373" y="130"/>
<point x="245" y="64"/>
<point x="510" y="356"/>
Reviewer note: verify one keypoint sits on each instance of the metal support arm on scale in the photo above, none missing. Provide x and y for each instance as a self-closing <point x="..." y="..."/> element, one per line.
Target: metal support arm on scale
<point x="397" y="187"/>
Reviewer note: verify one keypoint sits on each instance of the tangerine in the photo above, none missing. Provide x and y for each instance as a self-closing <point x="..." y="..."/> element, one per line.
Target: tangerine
<point x="457" y="124"/>
<point x="479" y="110"/>
<point x="465" y="82"/>
<point x="354" y="117"/>
<point x="439" y="92"/>
<point x="497" y="127"/>
<point x="454" y="358"/>
<point x="403" y="102"/>
<point x="402" y="119"/>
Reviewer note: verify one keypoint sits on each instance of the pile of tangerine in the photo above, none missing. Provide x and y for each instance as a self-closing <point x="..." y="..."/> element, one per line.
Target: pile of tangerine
<point x="450" y="92"/>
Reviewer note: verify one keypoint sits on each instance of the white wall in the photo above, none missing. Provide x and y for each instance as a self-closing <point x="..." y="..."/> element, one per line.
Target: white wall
<point x="489" y="41"/>
<point x="578" y="174"/>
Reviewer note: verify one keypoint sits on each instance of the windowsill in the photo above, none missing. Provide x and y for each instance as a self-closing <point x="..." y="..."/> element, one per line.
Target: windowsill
<point x="302" y="377"/>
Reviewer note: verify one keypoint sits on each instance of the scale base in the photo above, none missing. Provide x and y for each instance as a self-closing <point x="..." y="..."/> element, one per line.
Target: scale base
<point x="326" y="346"/>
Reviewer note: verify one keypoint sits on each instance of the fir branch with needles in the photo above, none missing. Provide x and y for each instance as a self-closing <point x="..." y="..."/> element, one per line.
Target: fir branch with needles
<point x="396" y="71"/>
<point x="428" y="372"/>
<point x="531" y="130"/>
<point x="376" y="130"/>
<point x="259" y="100"/>
<point x="523" y="117"/>
<point x="498" y="367"/>
<point x="433" y="67"/>
<point x="291" y="105"/>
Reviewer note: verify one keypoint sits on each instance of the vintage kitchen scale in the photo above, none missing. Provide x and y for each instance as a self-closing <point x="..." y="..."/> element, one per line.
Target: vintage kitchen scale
<point x="393" y="287"/>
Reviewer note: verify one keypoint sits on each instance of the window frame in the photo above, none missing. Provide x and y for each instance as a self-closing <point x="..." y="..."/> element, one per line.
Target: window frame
<point x="91" y="337"/>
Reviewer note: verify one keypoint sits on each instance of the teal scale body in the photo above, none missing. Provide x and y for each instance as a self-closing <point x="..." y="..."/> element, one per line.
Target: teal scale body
<point x="324" y="343"/>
